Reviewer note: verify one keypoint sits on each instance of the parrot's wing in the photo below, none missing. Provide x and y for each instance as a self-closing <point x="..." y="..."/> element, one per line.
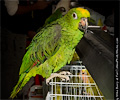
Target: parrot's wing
<point x="44" y="45"/>
<point x="56" y="15"/>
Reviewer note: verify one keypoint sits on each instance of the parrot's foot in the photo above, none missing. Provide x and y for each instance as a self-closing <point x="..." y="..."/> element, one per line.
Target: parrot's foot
<point x="65" y="73"/>
<point x="61" y="75"/>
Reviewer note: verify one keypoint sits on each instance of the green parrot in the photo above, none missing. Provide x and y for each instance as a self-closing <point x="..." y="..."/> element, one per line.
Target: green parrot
<point x="53" y="47"/>
<point x="56" y="15"/>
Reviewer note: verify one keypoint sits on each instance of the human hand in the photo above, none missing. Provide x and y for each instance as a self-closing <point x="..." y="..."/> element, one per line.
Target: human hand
<point x="31" y="34"/>
<point x="41" y="4"/>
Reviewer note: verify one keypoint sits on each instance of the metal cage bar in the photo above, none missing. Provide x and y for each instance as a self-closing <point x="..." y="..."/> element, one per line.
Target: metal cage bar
<point x="80" y="87"/>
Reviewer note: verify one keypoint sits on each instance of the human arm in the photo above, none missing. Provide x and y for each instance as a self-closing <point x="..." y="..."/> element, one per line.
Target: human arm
<point x="13" y="7"/>
<point x="37" y="6"/>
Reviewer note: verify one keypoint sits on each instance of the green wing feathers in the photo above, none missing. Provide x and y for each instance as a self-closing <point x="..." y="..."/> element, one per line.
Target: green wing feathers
<point x="41" y="48"/>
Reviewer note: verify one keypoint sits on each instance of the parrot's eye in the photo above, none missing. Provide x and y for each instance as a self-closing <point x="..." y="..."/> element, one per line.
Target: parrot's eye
<point x="74" y="15"/>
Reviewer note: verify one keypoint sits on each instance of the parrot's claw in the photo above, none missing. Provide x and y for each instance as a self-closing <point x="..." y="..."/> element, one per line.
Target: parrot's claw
<point x="65" y="80"/>
<point x="65" y="73"/>
<point x="62" y="75"/>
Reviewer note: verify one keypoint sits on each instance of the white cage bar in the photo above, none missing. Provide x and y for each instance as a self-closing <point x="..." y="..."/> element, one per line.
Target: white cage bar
<point x="80" y="87"/>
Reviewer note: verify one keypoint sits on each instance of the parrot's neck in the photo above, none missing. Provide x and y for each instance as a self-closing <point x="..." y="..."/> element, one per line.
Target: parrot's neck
<point x="69" y="33"/>
<point x="64" y="22"/>
<point x="69" y="36"/>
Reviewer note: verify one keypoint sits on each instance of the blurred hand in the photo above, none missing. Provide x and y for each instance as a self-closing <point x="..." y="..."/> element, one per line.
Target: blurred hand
<point x="31" y="34"/>
<point x="41" y="4"/>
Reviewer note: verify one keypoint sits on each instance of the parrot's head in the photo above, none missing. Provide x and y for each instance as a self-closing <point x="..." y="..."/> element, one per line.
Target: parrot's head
<point x="77" y="18"/>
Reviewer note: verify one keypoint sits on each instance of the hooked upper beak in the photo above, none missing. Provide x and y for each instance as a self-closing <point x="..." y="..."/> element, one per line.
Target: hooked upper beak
<point x="83" y="24"/>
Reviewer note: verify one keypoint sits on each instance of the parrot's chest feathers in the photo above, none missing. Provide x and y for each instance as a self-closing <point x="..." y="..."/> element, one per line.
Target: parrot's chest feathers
<point x="71" y="37"/>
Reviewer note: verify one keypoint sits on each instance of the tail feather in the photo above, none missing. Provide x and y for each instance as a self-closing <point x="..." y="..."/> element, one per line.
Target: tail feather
<point x="14" y="92"/>
<point x="18" y="87"/>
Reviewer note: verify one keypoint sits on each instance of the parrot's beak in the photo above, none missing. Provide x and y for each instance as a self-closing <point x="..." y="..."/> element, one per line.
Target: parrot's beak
<point x="83" y="24"/>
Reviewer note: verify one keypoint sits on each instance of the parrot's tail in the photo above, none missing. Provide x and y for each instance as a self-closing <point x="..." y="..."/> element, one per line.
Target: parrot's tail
<point x="18" y="87"/>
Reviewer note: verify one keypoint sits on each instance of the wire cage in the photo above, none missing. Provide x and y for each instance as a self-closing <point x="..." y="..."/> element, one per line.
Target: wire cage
<point x="80" y="87"/>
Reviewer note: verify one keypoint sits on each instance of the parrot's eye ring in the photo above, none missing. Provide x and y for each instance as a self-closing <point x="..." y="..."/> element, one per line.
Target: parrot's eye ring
<point x="74" y="15"/>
